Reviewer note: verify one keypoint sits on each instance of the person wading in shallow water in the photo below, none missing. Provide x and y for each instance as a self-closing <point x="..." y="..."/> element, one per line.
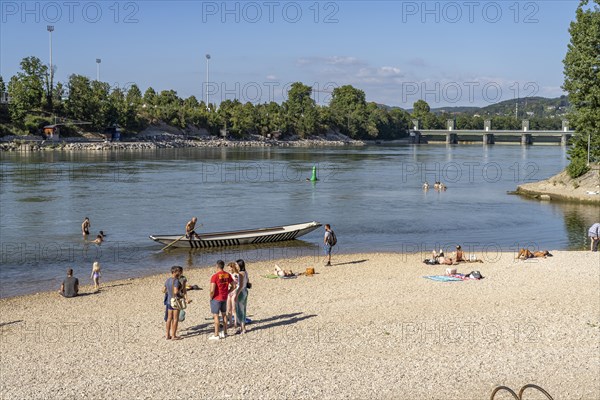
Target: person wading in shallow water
<point x="85" y="227"/>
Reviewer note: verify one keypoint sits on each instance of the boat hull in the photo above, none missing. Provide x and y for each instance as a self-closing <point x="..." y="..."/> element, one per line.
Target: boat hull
<point x="252" y="236"/>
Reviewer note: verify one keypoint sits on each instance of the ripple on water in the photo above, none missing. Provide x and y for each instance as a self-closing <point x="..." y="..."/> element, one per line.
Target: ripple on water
<point x="38" y="199"/>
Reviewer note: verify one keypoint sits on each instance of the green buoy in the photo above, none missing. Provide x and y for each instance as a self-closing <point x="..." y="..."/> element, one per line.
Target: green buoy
<point x="314" y="178"/>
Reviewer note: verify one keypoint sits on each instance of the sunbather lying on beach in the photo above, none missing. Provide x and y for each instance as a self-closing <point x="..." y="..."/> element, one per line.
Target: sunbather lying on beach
<point x="441" y="259"/>
<point x="281" y="273"/>
<point x="524" y="254"/>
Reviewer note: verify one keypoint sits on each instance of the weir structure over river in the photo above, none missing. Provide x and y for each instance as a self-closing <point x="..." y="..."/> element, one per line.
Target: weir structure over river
<point x="487" y="135"/>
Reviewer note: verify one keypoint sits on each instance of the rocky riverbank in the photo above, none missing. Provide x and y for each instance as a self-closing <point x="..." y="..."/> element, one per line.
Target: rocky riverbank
<point x="561" y="187"/>
<point x="167" y="142"/>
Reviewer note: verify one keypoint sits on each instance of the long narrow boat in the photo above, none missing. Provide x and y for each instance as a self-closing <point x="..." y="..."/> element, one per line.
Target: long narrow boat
<point x="235" y="238"/>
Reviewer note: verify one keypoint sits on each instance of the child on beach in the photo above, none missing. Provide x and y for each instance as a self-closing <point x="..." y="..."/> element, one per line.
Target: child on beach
<point x="96" y="275"/>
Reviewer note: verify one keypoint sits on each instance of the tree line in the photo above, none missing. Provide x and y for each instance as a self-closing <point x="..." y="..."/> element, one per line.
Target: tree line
<point x="34" y="101"/>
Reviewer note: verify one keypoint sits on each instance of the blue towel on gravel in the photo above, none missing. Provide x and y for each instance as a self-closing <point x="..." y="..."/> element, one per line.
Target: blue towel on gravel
<point x="443" y="278"/>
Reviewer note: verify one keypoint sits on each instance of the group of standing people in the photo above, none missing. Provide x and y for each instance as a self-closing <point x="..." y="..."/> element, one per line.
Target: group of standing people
<point x="228" y="299"/>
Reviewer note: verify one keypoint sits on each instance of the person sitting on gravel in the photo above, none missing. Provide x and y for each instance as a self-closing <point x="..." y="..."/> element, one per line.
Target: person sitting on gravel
<point x="459" y="255"/>
<point x="70" y="286"/>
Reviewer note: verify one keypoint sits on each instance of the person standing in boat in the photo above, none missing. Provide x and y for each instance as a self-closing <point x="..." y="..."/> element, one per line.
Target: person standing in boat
<point x="85" y="227"/>
<point x="190" y="233"/>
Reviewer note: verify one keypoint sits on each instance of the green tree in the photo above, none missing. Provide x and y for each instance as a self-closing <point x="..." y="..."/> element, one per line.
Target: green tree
<point x="348" y="108"/>
<point x="150" y="97"/>
<point x="582" y="83"/>
<point x="300" y="111"/>
<point x="429" y="120"/>
<point x="107" y="113"/>
<point x="420" y="109"/>
<point x="129" y="108"/>
<point x="134" y="96"/>
<point x="269" y="118"/>
<point x="4" y="116"/>
<point x="124" y="110"/>
<point x="169" y="108"/>
<point x="191" y="102"/>
<point x="26" y="89"/>
<point x="79" y="105"/>
<point x="399" y="123"/>
<point x="92" y="101"/>
<point x="58" y="93"/>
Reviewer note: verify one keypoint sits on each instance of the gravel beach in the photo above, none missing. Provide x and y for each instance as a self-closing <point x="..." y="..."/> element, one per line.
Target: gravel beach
<point x="369" y="327"/>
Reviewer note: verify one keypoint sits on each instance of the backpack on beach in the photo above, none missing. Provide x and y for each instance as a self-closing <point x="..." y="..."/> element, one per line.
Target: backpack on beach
<point x="332" y="239"/>
<point x="475" y="275"/>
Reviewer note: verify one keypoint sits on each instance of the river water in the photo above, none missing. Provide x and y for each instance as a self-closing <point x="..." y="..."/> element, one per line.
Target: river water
<point x="371" y="195"/>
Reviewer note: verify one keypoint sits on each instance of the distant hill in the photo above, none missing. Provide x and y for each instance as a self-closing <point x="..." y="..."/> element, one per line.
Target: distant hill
<point x="528" y="107"/>
<point x="538" y="106"/>
<point x="456" y="110"/>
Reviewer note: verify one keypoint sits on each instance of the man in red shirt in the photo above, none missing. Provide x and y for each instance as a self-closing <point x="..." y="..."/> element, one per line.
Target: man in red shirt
<point x="219" y="289"/>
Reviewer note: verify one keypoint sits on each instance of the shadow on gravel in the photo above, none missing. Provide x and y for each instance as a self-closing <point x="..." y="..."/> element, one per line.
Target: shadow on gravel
<point x="116" y="285"/>
<point x="281" y="320"/>
<point x="197" y="330"/>
<point x="256" y="325"/>
<point x="86" y="294"/>
<point x="350" y="262"/>
<point x="10" y="323"/>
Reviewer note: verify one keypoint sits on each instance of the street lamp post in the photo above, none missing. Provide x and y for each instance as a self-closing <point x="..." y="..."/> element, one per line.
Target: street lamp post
<point x="589" y="145"/>
<point x="98" y="61"/>
<point x="207" y="79"/>
<point x="50" y="29"/>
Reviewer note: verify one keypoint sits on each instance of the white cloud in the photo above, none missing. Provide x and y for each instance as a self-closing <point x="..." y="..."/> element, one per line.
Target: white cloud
<point x="404" y="84"/>
<point x="332" y="60"/>
<point x="389" y="71"/>
<point x="338" y="60"/>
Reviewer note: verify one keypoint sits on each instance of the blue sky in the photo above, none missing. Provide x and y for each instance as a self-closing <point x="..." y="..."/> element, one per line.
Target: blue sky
<point x="445" y="52"/>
